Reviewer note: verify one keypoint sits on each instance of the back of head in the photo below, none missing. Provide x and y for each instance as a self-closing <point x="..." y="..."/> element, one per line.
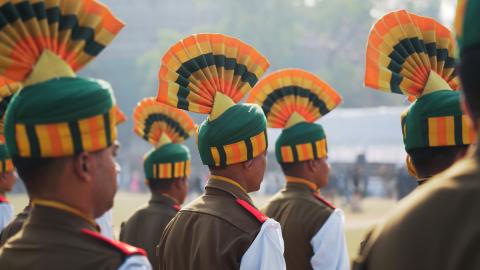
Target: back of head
<point x="430" y="161"/>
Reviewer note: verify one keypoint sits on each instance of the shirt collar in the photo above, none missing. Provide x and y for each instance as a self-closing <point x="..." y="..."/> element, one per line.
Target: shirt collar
<point x="230" y="186"/>
<point x="60" y="214"/>
<point x="295" y="181"/>
<point x="163" y="199"/>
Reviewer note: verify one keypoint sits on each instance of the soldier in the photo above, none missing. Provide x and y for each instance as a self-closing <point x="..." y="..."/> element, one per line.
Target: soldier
<point x="312" y="228"/>
<point x="421" y="65"/>
<point x="437" y="226"/>
<point x="166" y="168"/>
<point x="209" y="73"/>
<point x="60" y="130"/>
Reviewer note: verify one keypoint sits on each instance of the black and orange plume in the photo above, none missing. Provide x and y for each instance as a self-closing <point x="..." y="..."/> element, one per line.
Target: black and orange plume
<point x="36" y="33"/>
<point x="199" y="68"/>
<point x="290" y="96"/>
<point x="411" y="55"/>
<point x="159" y="124"/>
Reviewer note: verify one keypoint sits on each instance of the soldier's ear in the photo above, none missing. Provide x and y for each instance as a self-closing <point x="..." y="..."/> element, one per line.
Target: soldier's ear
<point x="311" y="166"/>
<point x="181" y="182"/>
<point x="82" y="166"/>
<point x="248" y="164"/>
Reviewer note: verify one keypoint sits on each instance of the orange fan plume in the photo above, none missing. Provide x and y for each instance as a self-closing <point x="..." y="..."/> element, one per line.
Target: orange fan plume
<point x="158" y="123"/>
<point x="198" y="68"/>
<point x="290" y="96"/>
<point x="411" y="55"/>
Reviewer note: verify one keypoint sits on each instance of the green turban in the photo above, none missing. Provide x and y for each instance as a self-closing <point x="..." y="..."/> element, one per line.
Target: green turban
<point x="167" y="162"/>
<point x="435" y="119"/>
<point x="61" y="117"/>
<point x="237" y="135"/>
<point x="301" y="142"/>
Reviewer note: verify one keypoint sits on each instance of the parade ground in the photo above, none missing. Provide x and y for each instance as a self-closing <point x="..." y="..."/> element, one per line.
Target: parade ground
<point x="356" y="224"/>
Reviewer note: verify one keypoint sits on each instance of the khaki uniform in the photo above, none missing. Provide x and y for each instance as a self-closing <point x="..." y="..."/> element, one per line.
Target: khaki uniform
<point x="14" y="226"/>
<point x="55" y="239"/>
<point x="436" y="227"/>
<point x="301" y="213"/>
<point x="145" y="227"/>
<point x="212" y="232"/>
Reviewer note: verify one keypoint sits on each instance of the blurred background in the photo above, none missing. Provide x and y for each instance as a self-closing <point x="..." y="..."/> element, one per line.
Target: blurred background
<point x="326" y="37"/>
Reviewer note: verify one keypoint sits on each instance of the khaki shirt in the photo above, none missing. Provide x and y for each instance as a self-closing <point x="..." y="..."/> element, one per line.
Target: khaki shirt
<point x="14" y="226"/>
<point x="436" y="227"/>
<point x="301" y="214"/>
<point x="146" y="226"/>
<point x="54" y="239"/>
<point x="212" y="232"/>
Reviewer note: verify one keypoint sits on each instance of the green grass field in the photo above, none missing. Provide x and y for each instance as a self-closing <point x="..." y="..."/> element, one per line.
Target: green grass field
<point x="356" y="224"/>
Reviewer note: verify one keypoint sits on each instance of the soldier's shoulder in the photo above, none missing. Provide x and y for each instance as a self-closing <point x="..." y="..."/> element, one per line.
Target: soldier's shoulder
<point x="252" y="210"/>
<point x="300" y="200"/>
<point x="321" y="201"/>
<point x="313" y="201"/>
<point x="119" y="247"/>
<point x="230" y="211"/>
<point x="436" y="208"/>
<point x="450" y="189"/>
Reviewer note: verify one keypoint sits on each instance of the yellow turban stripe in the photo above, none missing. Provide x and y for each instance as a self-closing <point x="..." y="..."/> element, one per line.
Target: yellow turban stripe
<point x="63" y="139"/>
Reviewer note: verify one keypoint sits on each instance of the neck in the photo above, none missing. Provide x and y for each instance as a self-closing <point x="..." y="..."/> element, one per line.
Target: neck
<point x="171" y="195"/>
<point x="230" y="181"/>
<point x="66" y="208"/>
<point x="232" y="175"/>
<point x="301" y="180"/>
<point x="81" y="209"/>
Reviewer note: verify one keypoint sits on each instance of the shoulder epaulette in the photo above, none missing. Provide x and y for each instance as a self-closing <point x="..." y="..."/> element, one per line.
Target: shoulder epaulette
<point x="126" y="249"/>
<point x="3" y="200"/>
<point x="327" y="203"/>
<point x="252" y="210"/>
<point x="176" y="207"/>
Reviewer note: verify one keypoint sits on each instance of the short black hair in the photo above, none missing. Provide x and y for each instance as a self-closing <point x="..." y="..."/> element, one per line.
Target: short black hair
<point x="292" y="167"/>
<point x="468" y="68"/>
<point x="35" y="172"/>
<point x="433" y="160"/>
<point x="157" y="185"/>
